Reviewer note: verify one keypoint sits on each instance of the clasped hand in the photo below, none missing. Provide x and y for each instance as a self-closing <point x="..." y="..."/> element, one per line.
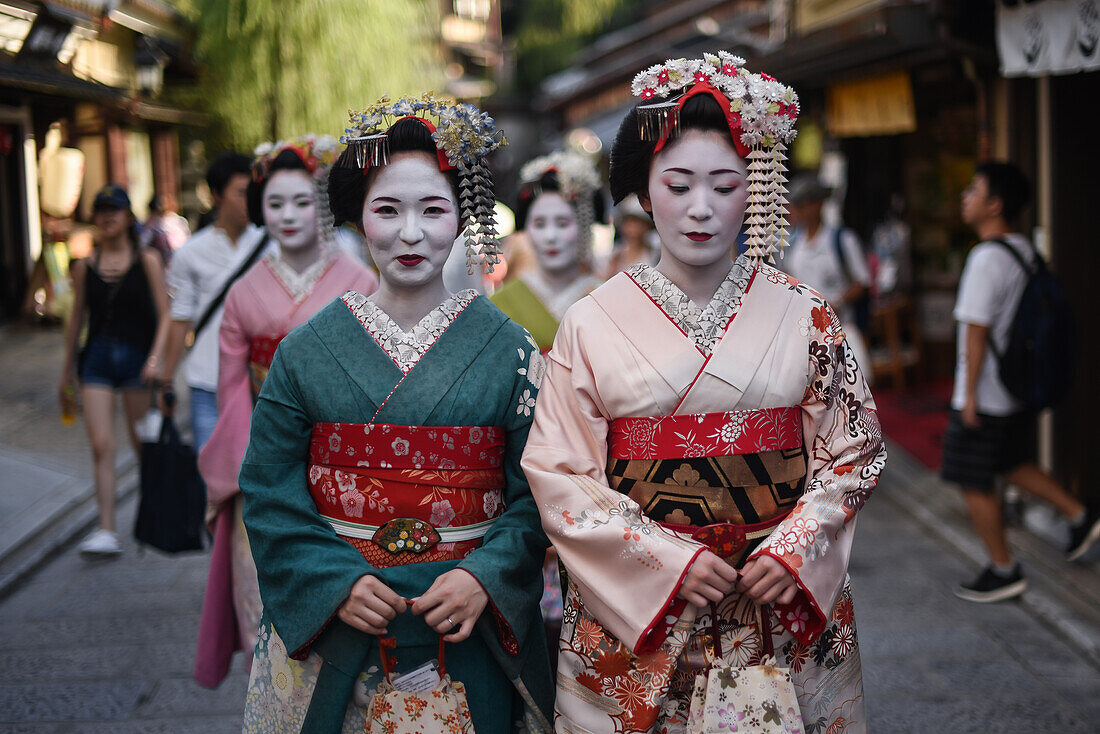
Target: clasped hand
<point x="455" y="600"/>
<point x="763" y="579"/>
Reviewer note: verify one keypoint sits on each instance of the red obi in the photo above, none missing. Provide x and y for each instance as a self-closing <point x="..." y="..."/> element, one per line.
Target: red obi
<point x="706" y="434"/>
<point x="725" y="479"/>
<point x="261" y="353"/>
<point x="408" y="494"/>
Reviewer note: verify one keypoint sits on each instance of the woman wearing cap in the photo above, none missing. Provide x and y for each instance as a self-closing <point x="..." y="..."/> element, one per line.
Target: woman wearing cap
<point x="121" y="291"/>
<point x="703" y="439"/>
<point x="384" y="501"/>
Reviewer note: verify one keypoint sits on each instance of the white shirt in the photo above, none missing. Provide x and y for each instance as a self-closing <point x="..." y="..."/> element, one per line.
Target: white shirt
<point x="989" y="291"/>
<point x="196" y="275"/>
<point x="815" y="263"/>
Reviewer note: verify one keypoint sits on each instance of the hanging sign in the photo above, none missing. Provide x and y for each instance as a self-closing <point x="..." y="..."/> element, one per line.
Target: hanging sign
<point x="1049" y="37"/>
<point x="879" y="105"/>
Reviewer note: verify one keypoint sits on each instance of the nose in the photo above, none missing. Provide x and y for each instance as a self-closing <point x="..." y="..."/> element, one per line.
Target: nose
<point x="411" y="231"/>
<point x="699" y="207"/>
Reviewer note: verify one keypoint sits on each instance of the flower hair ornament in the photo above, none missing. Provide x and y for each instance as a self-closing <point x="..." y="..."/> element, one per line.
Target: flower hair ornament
<point x="318" y="153"/>
<point x="463" y="135"/>
<point x="761" y="113"/>
<point x="578" y="182"/>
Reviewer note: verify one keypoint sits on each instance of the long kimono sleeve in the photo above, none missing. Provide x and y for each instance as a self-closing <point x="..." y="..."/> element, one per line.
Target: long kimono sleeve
<point x="627" y="568"/>
<point x="847" y="455"/>
<point x="220" y="459"/>
<point x="508" y="563"/>
<point x="305" y="571"/>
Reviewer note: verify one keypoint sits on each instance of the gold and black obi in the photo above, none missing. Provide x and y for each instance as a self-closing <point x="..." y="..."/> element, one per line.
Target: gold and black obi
<point x="726" y="479"/>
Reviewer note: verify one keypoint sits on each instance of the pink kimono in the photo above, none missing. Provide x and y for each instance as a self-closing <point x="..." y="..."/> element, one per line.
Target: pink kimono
<point x="260" y="309"/>
<point x="663" y="429"/>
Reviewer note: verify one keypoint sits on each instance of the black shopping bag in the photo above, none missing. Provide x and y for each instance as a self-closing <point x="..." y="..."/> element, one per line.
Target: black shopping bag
<point x="173" y="496"/>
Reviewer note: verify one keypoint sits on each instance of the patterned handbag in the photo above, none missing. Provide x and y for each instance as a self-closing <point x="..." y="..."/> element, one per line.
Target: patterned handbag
<point x="758" y="699"/>
<point x="440" y="709"/>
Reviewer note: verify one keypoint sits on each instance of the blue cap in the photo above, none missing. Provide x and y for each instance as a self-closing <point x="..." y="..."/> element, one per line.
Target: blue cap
<point x="111" y="196"/>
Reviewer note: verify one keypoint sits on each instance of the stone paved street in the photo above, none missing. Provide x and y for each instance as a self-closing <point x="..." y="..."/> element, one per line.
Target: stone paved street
<point x="108" y="647"/>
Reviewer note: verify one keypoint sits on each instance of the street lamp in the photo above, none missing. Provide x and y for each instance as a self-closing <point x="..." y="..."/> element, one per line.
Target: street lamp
<point x="149" y="64"/>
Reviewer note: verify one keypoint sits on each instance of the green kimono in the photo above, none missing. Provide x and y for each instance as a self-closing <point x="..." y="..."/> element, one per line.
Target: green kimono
<point x="530" y="304"/>
<point x="465" y="364"/>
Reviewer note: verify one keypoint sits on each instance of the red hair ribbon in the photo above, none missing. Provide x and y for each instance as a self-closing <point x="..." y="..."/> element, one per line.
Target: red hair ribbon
<point x="444" y="164"/>
<point x="733" y="119"/>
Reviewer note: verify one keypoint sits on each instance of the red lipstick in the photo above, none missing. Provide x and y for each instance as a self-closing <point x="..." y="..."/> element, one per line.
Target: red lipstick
<point x="698" y="236"/>
<point x="410" y="261"/>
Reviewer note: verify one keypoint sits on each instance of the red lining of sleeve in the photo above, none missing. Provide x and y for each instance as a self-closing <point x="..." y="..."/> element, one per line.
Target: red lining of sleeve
<point x="655" y="633"/>
<point x="815" y="626"/>
<point x="507" y="637"/>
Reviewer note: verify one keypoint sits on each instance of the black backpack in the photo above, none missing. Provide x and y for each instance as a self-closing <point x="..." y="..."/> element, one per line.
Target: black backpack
<point x="1038" y="363"/>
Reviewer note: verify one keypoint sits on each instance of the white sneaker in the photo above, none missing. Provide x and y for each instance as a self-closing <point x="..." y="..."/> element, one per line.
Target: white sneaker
<point x="100" y="544"/>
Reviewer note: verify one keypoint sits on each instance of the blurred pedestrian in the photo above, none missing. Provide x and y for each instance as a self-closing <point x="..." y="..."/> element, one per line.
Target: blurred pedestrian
<point x="831" y="260"/>
<point x="991" y="435"/>
<point x="164" y="230"/>
<point x="200" y="276"/>
<point x="635" y="239"/>
<point x="121" y="290"/>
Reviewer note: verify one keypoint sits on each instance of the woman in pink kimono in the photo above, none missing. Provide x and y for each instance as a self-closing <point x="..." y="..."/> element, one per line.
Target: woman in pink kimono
<point x="703" y="439"/>
<point x="280" y="292"/>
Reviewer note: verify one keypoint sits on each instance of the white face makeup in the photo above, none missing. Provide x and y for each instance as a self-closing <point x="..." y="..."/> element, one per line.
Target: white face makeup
<point x="410" y="220"/>
<point x="552" y="227"/>
<point x="697" y="194"/>
<point x="290" y="211"/>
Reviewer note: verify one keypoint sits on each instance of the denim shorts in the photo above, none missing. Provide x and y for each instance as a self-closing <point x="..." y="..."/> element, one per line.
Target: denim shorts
<point x="112" y="363"/>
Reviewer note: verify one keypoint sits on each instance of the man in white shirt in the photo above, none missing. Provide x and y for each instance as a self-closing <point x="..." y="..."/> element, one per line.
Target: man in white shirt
<point x="828" y="259"/>
<point x="198" y="274"/>
<point x="990" y="434"/>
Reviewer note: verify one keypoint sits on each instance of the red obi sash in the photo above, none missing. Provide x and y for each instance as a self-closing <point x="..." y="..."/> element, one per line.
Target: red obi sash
<point x="408" y="494"/>
<point x="261" y="353"/>
<point x="706" y="434"/>
<point x="724" y="479"/>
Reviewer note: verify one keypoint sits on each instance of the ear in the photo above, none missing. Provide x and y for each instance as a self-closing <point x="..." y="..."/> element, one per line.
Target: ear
<point x="646" y="204"/>
<point x="996" y="206"/>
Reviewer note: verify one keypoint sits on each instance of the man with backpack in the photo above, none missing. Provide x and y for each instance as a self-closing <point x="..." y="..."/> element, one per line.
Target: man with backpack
<point x="830" y="260"/>
<point x="1015" y="351"/>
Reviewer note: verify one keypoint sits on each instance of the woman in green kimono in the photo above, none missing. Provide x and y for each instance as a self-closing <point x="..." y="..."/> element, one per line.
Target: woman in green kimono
<point x="559" y="202"/>
<point x="383" y="493"/>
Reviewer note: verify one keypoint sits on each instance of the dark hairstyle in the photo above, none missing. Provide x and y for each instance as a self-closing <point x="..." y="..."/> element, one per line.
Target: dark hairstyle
<point x="1009" y="184"/>
<point x="531" y="191"/>
<point x="347" y="186"/>
<point x="287" y="160"/>
<point x="631" y="156"/>
<point x="225" y="167"/>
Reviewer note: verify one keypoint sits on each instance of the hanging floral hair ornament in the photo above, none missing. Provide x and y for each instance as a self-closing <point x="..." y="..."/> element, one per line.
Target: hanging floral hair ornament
<point x="463" y="135"/>
<point x="761" y="113"/>
<point x="578" y="182"/>
<point x="318" y="153"/>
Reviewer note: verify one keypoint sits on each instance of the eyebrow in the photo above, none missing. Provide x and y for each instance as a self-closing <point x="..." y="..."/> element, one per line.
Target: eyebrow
<point x="689" y="172"/>
<point x="398" y="201"/>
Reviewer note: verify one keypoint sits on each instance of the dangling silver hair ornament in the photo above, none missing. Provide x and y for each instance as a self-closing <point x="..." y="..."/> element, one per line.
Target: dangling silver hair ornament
<point x="319" y="153"/>
<point x="578" y="182"/>
<point x="761" y="112"/>
<point x="464" y="136"/>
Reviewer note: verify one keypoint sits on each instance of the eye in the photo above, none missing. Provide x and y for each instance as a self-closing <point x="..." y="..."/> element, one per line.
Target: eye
<point x="725" y="189"/>
<point x="677" y="189"/>
<point x="274" y="205"/>
<point x="385" y="210"/>
<point x="434" y="210"/>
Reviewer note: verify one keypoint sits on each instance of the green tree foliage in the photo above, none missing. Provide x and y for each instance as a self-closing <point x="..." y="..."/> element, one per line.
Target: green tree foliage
<point x="273" y="69"/>
<point x="549" y="32"/>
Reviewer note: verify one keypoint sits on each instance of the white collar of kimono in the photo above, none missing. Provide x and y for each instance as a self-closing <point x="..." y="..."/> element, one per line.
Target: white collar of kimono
<point x="299" y="285"/>
<point x="704" y="326"/>
<point x="406" y="348"/>
<point x="558" y="302"/>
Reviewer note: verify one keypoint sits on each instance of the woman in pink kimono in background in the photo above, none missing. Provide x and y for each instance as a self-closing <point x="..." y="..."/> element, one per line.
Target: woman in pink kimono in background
<point x="704" y="439"/>
<point x="277" y="294"/>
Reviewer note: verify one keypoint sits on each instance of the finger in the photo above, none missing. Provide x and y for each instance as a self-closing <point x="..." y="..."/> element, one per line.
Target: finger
<point x="788" y="596"/>
<point x="759" y="589"/>
<point x="360" y="624"/>
<point x="463" y="632"/>
<point x="389" y="596"/>
<point x="712" y="594"/>
<point x="694" y="598"/>
<point x="438" y="617"/>
<point x="426" y="603"/>
<point x="728" y="573"/>
<point x="380" y="607"/>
